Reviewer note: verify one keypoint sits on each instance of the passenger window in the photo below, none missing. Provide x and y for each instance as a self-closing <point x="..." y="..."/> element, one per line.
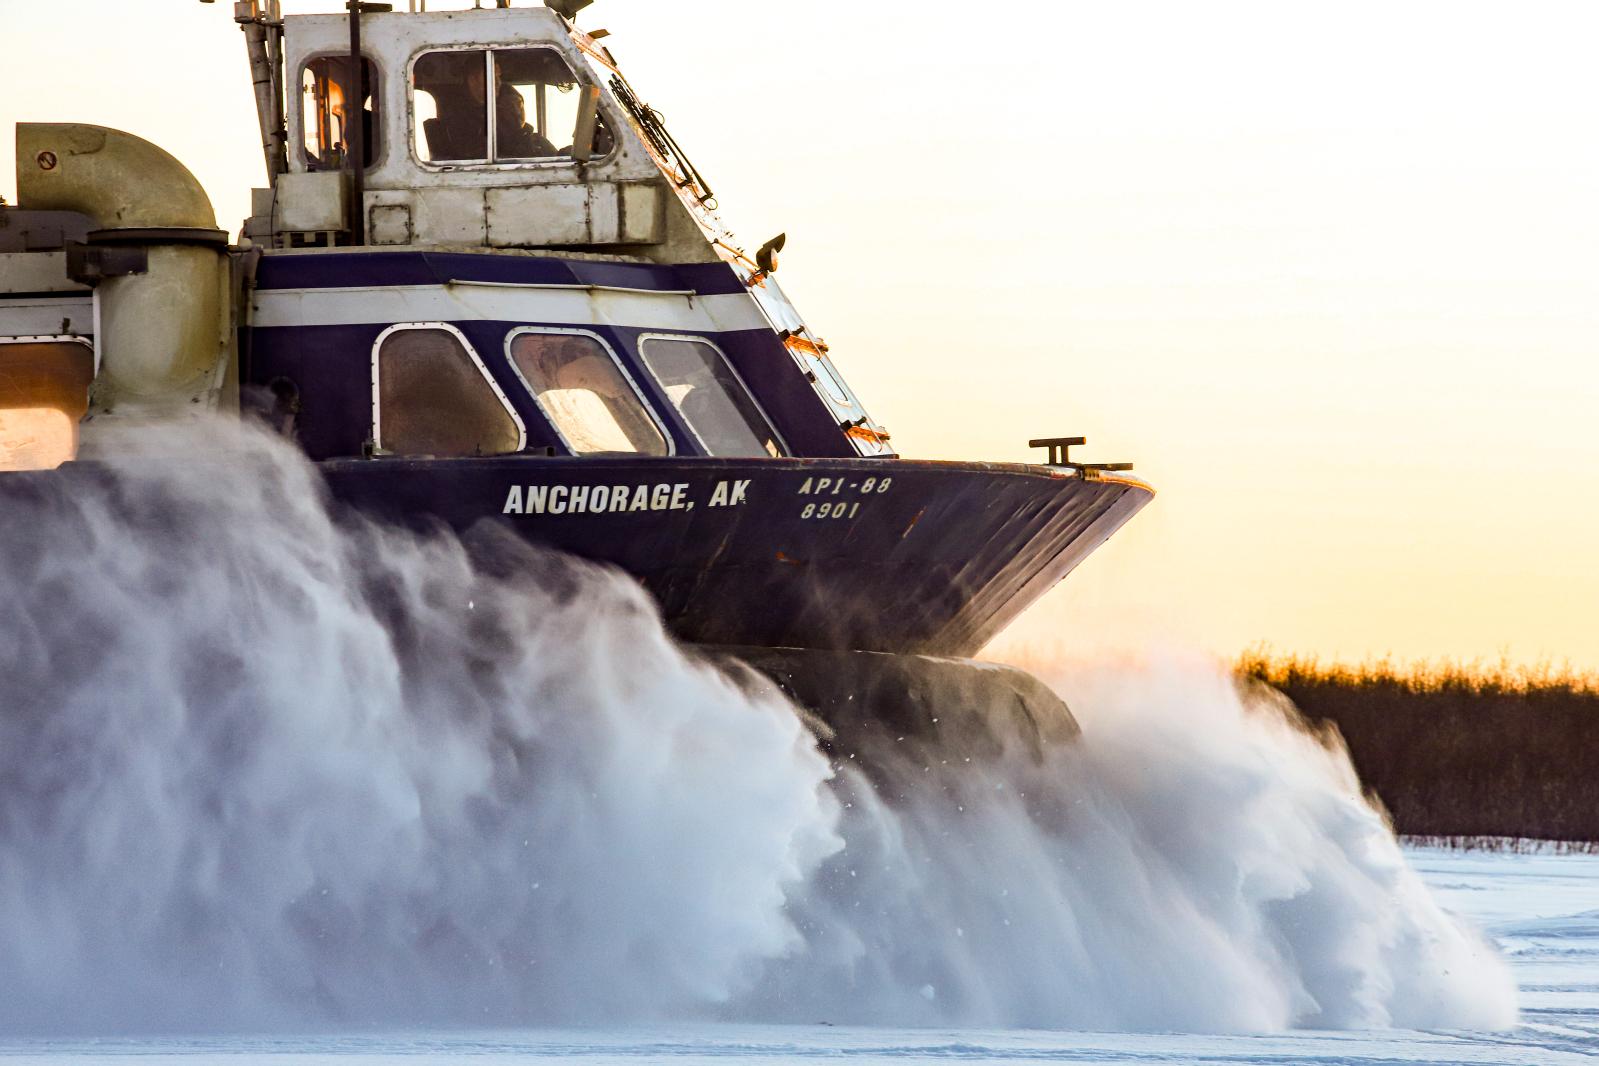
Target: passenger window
<point x="327" y="109"/>
<point x="435" y="398"/>
<point x="579" y="387"/>
<point x="533" y="113"/>
<point x="44" y="394"/>
<point x="827" y="378"/>
<point x="710" y="397"/>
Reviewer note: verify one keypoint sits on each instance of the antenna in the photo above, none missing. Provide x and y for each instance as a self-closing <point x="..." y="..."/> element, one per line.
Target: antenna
<point x="262" y="23"/>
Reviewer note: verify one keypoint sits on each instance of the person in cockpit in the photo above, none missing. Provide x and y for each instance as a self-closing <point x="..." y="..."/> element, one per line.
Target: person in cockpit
<point x="516" y="139"/>
<point x="461" y="130"/>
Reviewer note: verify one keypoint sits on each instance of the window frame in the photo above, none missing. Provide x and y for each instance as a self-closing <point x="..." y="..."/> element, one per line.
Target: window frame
<point x="491" y="140"/>
<point x="379" y="107"/>
<point x="777" y="434"/>
<point x="488" y="376"/>
<point x="91" y="343"/>
<point x="58" y="338"/>
<point x="616" y="361"/>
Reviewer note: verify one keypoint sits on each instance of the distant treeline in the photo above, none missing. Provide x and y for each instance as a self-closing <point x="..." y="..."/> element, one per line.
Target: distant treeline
<point x="1460" y="751"/>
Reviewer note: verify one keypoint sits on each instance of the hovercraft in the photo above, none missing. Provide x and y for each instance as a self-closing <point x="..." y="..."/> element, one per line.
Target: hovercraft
<point x="484" y="282"/>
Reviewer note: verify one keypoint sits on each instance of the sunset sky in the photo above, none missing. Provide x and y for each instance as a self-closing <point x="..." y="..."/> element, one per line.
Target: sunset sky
<point x="1328" y="274"/>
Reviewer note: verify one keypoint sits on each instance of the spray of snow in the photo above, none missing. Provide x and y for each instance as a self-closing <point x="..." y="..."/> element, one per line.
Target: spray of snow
<point x="1198" y="861"/>
<point x="266" y="766"/>
<point x="261" y="769"/>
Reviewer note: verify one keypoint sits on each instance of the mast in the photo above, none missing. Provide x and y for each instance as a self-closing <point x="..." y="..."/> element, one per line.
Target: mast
<point x="263" y="39"/>
<point x="355" y="127"/>
<point x="355" y="118"/>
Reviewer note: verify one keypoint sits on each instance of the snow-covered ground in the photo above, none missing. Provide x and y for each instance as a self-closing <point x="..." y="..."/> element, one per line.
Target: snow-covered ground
<point x="1543" y="910"/>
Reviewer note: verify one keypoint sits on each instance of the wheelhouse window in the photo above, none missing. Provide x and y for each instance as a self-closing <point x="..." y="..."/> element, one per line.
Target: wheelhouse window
<point x="435" y="397"/>
<point x="585" y="394"/>
<point x="328" y="109"/>
<point x="537" y="111"/>
<point x="44" y="394"/>
<point x="709" y="395"/>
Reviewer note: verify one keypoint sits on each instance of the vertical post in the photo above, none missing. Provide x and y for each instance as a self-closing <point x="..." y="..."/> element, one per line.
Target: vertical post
<point x="265" y="74"/>
<point x="280" y="117"/>
<point x="491" y="99"/>
<point x="355" y="120"/>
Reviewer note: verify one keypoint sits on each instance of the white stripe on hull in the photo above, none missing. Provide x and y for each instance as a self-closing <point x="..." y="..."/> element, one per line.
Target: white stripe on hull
<point x="47" y="317"/>
<point x="575" y="305"/>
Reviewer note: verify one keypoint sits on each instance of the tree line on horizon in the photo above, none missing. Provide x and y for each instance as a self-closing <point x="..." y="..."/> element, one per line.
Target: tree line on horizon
<point x="1459" y="752"/>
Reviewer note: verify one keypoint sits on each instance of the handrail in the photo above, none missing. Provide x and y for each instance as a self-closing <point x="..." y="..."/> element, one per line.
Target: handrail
<point x="569" y="286"/>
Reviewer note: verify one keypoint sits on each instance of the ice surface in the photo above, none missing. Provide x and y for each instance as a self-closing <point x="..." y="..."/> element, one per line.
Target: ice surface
<point x="1539" y="907"/>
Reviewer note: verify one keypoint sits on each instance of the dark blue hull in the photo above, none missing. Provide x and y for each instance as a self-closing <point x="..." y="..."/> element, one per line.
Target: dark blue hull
<point x="839" y="546"/>
<point x="879" y="555"/>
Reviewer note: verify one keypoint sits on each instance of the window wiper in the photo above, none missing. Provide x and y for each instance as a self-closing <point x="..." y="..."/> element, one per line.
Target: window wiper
<point x="654" y="129"/>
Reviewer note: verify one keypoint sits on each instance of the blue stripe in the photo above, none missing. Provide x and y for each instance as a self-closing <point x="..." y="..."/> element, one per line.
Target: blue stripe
<point x="371" y="269"/>
<point x="53" y="294"/>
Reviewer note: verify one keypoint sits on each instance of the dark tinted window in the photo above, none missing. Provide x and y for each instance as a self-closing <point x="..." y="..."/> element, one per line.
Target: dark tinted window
<point x="537" y="104"/>
<point x="434" y="400"/>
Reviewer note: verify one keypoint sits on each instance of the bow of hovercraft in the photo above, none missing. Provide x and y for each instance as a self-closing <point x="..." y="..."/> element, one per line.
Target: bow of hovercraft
<point x="484" y="283"/>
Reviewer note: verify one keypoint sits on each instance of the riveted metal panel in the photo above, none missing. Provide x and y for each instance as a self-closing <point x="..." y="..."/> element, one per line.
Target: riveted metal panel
<point x="389" y="224"/>
<point x="311" y="203"/>
<point x="643" y="213"/>
<point x="540" y="215"/>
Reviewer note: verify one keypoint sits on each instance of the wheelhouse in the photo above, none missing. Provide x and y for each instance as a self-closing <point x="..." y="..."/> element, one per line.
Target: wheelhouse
<point x="524" y="251"/>
<point x="475" y="239"/>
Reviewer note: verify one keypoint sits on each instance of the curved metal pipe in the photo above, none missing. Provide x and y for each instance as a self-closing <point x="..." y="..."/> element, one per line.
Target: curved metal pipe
<point x="165" y="334"/>
<point x="119" y="180"/>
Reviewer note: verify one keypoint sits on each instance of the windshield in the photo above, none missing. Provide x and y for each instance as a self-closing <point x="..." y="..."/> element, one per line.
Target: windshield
<point x="539" y="109"/>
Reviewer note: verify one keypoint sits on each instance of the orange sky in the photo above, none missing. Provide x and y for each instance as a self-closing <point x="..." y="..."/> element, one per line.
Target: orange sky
<point x="1326" y="274"/>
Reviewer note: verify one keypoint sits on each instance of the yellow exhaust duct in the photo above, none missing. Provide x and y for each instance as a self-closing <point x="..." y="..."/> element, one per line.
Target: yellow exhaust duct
<point x="119" y="180"/>
<point x="165" y="334"/>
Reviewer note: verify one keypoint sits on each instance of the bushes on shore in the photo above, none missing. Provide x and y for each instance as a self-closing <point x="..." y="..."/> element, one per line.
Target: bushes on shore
<point x="1459" y="751"/>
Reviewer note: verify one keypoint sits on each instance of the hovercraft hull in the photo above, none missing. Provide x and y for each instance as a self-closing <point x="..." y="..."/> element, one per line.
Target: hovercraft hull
<point x="891" y="555"/>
